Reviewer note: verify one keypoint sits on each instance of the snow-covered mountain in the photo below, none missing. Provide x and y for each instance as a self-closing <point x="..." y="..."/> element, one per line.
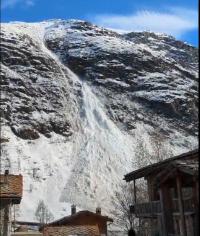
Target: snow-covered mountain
<point x="76" y="99"/>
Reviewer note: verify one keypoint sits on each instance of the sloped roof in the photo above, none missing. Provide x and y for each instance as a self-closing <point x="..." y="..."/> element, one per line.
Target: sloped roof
<point x="27" y="234"/>
<point x="187" y="158"/>
<point x="69" y="220"/>
<point x="27" y="223"/>
<point x="188" y="166"/>
<point x="11" y="187"/>
<point x="89" y="230"/>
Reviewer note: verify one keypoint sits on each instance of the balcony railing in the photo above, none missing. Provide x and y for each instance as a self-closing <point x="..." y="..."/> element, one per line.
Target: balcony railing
<point x="146" y="209"/>
<point x="152" y="209"/>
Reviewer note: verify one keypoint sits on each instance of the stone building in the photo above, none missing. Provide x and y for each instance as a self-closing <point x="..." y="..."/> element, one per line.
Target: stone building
<point x="79" y="223"/>
<point x="11" y="188"/>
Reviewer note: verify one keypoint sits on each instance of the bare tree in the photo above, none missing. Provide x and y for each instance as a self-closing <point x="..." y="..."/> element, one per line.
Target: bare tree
<point x="142" y="154"/>
<point x="43" y="214"/>
<point x="157" y="151"/>
<point x="122" y="201"/>
<point x="160" y="147"/>
<point x="121" y="205"/>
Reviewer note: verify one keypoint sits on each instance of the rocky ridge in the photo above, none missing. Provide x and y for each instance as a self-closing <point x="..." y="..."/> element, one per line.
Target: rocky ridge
<point x="76" y="98"/>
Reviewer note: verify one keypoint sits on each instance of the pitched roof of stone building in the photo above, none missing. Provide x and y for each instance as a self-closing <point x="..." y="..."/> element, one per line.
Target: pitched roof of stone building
<point x="69" y="220"/>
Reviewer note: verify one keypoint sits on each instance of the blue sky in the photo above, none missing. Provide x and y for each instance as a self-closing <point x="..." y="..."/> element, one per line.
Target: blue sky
<point x="175" y="17"/>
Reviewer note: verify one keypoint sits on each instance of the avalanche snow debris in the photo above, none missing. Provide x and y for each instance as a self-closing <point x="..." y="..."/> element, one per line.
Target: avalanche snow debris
<point x="86" y="127"/>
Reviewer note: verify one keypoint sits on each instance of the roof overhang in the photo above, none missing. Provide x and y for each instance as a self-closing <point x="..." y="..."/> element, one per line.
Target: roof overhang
<point x="12" y="200"/>
<point x="150" y="169"/>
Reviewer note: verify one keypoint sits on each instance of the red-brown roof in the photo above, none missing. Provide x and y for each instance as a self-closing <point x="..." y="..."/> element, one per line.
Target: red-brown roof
<point x="11" y="187"/>
<point x="69" y="220"/>
<point x="89" y="230"/>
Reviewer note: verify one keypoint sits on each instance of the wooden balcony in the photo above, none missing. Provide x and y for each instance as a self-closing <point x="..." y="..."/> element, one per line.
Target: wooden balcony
<point x="147" y="209"/>
<point x="153" y="209"/>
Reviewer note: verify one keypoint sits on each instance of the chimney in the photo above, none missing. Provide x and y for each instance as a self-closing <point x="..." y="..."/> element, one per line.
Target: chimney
<point x="6" y="176"/>
<point x="98" y="210"/>
<point x="73" y="209"/>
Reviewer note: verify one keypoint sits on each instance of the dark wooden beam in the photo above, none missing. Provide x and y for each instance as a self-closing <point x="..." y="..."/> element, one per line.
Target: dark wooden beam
<point x="135" y="194"/>
<point x="167" y="211"/>
<point x="197" y="190"/>
<point x="167" y="176"/>
<point x="163" y="216"/>
<point x="181" y="206"/>
<point x="196" y="202"/>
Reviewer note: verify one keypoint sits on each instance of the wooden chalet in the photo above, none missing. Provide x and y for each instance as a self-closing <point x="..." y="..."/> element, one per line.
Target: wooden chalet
<point x="11" y="188"/>
<point x="172" y="207"/>
<point x="78" y="223"/>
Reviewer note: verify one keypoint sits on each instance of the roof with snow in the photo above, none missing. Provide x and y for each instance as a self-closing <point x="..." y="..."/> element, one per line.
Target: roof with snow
<point x="11" y="187"/>
<point x="186" y="162"/>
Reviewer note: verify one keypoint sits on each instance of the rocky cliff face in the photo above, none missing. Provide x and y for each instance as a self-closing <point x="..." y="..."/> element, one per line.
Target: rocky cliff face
<point x="75" y="100"/>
